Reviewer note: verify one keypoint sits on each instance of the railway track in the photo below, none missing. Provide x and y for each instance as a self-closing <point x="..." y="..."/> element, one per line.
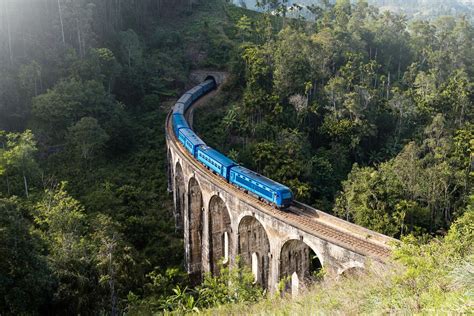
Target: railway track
<point x="298" y="215"/>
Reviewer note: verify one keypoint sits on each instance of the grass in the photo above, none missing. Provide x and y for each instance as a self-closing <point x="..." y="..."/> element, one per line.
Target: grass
<point x="436" y="278"/>
<point x="373" y="294"/>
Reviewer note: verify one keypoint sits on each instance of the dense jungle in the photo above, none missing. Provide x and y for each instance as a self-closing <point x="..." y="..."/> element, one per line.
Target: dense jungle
<point x="364" y="114"/>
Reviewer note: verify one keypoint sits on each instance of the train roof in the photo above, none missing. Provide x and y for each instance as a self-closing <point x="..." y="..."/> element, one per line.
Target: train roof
<point x="179" y="118"/>
<point x="179" y="123"/>
<point x="194" y="90"/>
<point x="214" y="154"/>
<point x="191" y="136"/>
<point x="178" y="108"/>
<point x="206" y="83"/>
<point x="184" y="98"/>
<point x="261" y="179"/>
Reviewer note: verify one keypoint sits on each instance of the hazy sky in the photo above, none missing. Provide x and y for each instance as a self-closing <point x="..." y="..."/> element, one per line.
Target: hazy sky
<point x="251" y="3"/>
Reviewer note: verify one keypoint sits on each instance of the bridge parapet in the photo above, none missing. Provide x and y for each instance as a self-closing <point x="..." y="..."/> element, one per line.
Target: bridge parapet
<point x="350" y="228"/>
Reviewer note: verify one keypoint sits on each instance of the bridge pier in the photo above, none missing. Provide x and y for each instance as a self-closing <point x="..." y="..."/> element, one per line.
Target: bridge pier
<point x="274" y="275"/>
<point x="206" y="267"/>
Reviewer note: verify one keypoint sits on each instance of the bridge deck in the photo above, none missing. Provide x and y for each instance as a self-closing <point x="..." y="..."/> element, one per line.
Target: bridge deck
<point x="324" y="226"/>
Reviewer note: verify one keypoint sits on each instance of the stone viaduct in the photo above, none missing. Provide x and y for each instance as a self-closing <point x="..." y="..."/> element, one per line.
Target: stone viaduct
<point x="221" y="222"/>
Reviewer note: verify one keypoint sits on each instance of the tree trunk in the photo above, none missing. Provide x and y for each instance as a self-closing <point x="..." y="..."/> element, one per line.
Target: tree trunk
<point x="6" y="174"/>
<point x="26" y="185"/>
<point x="61" y="22"/>
<point x="79" y="39"/>
<point x="388" y="85"/>
<point x="8" y="183"/>
<point x="113" y="295"/>
<point x="8" y="32"/>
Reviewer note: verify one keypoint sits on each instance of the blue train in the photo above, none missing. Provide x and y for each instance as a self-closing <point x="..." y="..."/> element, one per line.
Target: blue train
<point x="251" y="182"/>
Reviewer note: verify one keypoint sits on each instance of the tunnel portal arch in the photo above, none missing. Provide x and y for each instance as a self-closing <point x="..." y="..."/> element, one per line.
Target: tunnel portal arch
<point x="211" y="77"/>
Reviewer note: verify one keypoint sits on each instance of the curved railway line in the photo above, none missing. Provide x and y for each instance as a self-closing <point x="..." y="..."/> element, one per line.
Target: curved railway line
<point x="300" y="216"/>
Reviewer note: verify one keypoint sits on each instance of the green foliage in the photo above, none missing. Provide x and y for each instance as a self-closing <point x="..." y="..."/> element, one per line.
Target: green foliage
<point x="234" y="285"/>
<point x="17" y="160"/>
<point x="25" y="275"/>
<point x="358" y="87"/>
<point x="304" y="103"/>
<point x="87" y="137"/>
<point x="414" y="192"/>
<point x="131" y="48"/>
<point x="61" y="223"/>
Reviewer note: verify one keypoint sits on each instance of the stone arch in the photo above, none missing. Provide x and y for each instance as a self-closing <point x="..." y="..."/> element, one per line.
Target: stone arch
<point x="254" y="248"/>
<point x="297" y="259"/>
<point x="195" y="220"/>
<point x="179" y="192"/>
<point x="220" y="232"/>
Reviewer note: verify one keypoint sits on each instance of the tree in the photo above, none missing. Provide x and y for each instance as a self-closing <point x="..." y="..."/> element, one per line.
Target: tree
<point x="69" y="101"/>
<point x="19" y="155"/>
<point x="131" y="47"/>
<point x="115" y="261"/>
<point x="61" y="222"/>
<point x="108" y="65"/>
<point x="244" y="27"/>
<point x="292" y="63"/>
<point x="25" y="282"/>
<point x="87" y="137"/>
<point x="30" y="78"/>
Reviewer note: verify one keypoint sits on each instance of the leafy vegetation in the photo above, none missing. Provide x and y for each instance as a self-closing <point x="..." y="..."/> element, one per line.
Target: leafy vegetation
<point x="413" y="9"/>
<point x="391" y="98"/>
<point x="86" y="221"/>
<point x="233" y="286"/>
<point x="360" y="112"/>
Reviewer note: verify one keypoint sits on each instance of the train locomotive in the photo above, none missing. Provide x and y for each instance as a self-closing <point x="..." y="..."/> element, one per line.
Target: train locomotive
<point x="247" y="180"/>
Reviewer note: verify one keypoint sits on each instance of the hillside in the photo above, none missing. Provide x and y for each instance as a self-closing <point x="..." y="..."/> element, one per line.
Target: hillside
<point x="362" y="114"/>
<point x="413" y="9"/>
<point x="85" y="217"/>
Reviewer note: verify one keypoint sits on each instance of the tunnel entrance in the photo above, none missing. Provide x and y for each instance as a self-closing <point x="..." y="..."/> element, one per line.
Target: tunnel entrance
<point x="219" y="234"/>
<point x="213" y="79"/>
<point x="195" y="215"/>
<point x="179" y="197"/>
<point x="254" y="248"/>
<point x="298" y="265"/>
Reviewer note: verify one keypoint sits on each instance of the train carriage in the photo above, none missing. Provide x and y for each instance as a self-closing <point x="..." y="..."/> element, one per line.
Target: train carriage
<point x="254" y="183"/>
<point x="215" y="161"/>
<point x="196" y="92"/>
<point x="261" y="186"/>
<point x="207" y="86"/>
<point x="190" y="140"/>
<point x="179" y="122"/>
<point x="186" y="99"/>
<point x="178" y="108"/>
